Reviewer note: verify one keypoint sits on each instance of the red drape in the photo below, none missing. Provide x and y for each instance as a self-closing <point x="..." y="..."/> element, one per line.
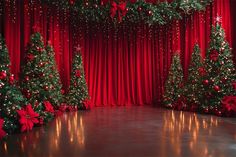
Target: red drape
<point x="123" y="66"/>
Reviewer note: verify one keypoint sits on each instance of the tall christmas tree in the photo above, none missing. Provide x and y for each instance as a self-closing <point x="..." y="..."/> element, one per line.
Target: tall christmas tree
<point x="78" y="91"/>
<point x="196" y="71"/>
<point x="174" y="82"/>
<point x="36" y="77"/>
<point x="11" y="98"/>
<point x="220" y="71"/>
<point x="56" y="95"/>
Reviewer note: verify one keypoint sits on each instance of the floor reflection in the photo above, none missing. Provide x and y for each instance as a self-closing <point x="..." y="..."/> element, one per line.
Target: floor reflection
<point x="121" y="131"/>
<point x="178" y="126"/>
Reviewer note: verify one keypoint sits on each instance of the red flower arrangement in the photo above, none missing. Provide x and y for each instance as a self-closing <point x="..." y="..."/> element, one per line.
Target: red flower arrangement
<point x="27" y="118"/>
<point x="48" y="107"/>
<point x="229" y="104"/>
<point x="2" y="132"/>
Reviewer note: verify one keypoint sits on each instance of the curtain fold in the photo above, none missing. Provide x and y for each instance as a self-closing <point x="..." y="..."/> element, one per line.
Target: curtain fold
<point x="123" y="66"/>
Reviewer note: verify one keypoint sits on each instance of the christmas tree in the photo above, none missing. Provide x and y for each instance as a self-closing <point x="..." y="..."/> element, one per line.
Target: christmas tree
<point x="78" y="91"/>
<point x="174" y="83"/>
<point x="218" y="82"/>
<point x="196" y="71"/>
<point x="56" y="95"/>
<point x="11" y="98"/>
<point x="36" y="77"/>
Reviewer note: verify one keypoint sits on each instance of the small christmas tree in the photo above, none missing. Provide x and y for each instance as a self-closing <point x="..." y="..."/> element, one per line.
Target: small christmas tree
<point x="174" y="83"/>
<point x="36" y="77"/>
<point x="11" y="98"/>
<point x="78" y="91"/>
<point x="56" y="95"/>
<point x="220" y="71"/>
<point x="196" y="71"/>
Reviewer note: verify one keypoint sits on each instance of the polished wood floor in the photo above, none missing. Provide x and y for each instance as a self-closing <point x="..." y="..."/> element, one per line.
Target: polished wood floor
<point x="127" y="132"/>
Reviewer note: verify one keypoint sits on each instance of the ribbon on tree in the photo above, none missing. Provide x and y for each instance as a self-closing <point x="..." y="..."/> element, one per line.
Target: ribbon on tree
<point x="119" y="9"/>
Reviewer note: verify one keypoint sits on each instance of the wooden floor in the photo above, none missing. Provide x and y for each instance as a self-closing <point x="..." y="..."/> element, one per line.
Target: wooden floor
<point x="127" y="132"/>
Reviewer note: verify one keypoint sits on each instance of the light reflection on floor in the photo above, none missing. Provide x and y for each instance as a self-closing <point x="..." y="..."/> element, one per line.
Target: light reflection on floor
<point x="127" y="131"/>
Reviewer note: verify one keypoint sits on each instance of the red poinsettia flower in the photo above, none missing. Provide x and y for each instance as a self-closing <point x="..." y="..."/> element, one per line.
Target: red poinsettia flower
<point x="2" y="132"/>
<point x="229" y="103"/>
<point x="77" y="73"/>
<point x="48" y="106"/>
<point x="27" y="118"/>
<point x="202" y="71"/>
<point x="214" y="55"/>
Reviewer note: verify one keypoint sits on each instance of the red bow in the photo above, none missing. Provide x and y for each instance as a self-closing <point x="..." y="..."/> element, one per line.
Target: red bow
<point x="118" y="8"/>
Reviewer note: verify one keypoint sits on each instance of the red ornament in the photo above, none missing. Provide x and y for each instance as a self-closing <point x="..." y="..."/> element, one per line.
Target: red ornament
<point x="150" y="13"/>
<point x="214" y="55"/>
<point x="206" y="110"/>
<point x="139" y="9"/>
<point x="11" y="79"/>
<point x="41" y="64"/>
<point x="46" y="88"/>
<point x="3" y="75"/>
<point x="205" y="82"/>
<point x="218" y="112"/>
<point x="72" y="2"/>
<point x="26" y="78"/>
<point x="2" y="132"/>
<point x="27" y="118"/>
<point x="217" y="88"/>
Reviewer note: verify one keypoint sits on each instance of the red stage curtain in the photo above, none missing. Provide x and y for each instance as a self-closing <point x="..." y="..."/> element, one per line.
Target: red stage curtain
<point x="123" y="67"/>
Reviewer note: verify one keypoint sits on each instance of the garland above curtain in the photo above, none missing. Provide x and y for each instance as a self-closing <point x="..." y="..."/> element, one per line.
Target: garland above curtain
<point x="132" y="11"/>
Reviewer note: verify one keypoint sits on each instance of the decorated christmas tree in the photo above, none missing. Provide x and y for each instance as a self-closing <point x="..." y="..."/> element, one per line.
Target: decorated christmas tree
<point x="56" y="95"/>
<point x="78" y="91"/>
<point x="174" y="83"/>
<point x="37" y="79"/>
<point x="196" y="71"/>
<point x="218" y="82"/>
<point x="11" y="98"/>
